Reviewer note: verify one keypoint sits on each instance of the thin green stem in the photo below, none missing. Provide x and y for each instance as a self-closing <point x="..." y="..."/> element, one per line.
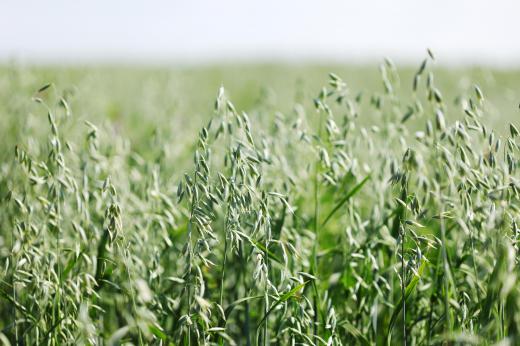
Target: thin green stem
<point x="314" y="265"/>
<point x="223" y="269"/>
<point x="266" y="297"/>
<point x="403" y="285"/>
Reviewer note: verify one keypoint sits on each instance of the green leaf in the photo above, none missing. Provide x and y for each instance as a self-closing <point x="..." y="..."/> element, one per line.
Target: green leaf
<point x="231" y="306"/>
<point x="157" y="332"/>
<point x="269" y="253"/>
<point x="408" y="291"/>
<point x="71" y="264"/>
<point x="345" y="199"/>
<point x="284" y="297"/>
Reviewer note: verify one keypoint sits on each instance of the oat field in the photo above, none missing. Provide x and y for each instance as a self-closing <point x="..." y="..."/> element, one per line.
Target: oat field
<point x="259" y="205"/>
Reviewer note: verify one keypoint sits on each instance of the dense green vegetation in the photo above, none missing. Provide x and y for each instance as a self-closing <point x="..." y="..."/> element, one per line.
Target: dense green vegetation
<point x="288" y="206"/>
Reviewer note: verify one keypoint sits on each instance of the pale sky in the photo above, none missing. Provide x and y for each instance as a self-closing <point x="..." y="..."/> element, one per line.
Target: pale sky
<point x="154" y="31"/>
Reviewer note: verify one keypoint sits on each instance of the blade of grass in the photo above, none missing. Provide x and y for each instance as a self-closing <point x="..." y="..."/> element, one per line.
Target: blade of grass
<point x="345" y="199"/>
<point x="409" y="289"/>
<point x="284" y="297"/>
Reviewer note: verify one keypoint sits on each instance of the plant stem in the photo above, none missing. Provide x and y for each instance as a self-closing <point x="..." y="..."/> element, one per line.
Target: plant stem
<point x="403" y="285"/>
